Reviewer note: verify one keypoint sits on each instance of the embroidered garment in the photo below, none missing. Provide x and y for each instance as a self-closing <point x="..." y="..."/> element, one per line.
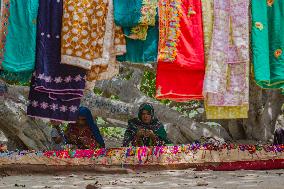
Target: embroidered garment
<point x="226" y="84"/>
<point x="113" y="44"/>
<point x="136" y="124"/>
<point x="21" y="36"/>
<point x="83" y="32"/>
<point x="181" y="68"/>
<point x="138" y="18"/>
<point x="268" y="43"/>
<point x="4" y="15"/>
<point x="56" y="89"/>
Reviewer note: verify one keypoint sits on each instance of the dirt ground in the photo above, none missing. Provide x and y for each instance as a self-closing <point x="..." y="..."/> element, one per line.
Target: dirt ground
<point x="273" y="179"/>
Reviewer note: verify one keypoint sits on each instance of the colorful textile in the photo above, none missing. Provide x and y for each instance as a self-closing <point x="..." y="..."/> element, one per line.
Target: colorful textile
<point x="56" y="89"/>
<point x="21" y="36"/>
<point x="226" y="84"/>
<point x="4" y="15"/>
<point x="83" y="32"/>
<point x="134" y="125"/>
<point x="113" y="44"/>
<point x="207" y="19"/>
<point x="86" y="137"/>
<point x="181" y="68"/>
<point x="138" y="18"/>
<point x="268" y="43"/>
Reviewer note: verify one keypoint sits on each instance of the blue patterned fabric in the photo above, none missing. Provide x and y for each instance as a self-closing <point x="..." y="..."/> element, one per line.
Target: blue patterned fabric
<point x="56" y="89"/>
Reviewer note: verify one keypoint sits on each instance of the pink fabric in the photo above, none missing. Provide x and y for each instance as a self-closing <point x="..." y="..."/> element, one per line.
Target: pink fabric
<point x="227" y="73"/>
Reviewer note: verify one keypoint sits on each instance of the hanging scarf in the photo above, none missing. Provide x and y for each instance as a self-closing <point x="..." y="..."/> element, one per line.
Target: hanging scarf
<point x="268" y="43"/>
<point x="227" y="70"/>
<point x="134" y="125"/>
<point x="180" y="70"/>
<point x="138" y="18"/>
<point x="56" y="89"/>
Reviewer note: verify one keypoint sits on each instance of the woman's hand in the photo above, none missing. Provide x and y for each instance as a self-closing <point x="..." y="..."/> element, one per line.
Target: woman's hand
<point x="140" y="133"/>
<point x="149" y="133"/>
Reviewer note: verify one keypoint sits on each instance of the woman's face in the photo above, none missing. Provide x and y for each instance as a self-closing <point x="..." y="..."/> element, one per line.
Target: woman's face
<point x="146" y="117"/>
<point x="81" y="121"/>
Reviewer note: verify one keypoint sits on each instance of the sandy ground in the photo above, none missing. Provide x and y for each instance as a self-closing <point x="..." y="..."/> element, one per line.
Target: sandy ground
<point x="273" y="179"/>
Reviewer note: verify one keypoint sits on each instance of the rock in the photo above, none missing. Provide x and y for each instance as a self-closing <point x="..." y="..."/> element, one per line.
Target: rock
<point x="93" y="186"/>
<point x="201" y="183"/>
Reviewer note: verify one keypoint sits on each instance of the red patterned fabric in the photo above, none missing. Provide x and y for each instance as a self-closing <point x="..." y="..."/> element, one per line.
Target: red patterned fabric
<point x="181" y="67"/>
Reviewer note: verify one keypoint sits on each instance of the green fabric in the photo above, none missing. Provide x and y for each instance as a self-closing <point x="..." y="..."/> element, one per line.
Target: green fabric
<point x="20" y="44"/>
<point x="267" y="38"/>
<point x="156" y="126"/>
<point x="22" y="78"/>
<point x="127" y="14"/>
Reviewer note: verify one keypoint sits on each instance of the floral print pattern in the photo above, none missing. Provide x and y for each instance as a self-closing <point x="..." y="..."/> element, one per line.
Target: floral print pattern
<point x="227" y="72"/>
<point x="259" y="25"/>
<point x="278" y="53"/>
<point x="148" y="18"/>
<point x="4" y="26"/>
<point x="83" y="32"/>
<point x="270" y="3"/>
<point x="169" y="29"/>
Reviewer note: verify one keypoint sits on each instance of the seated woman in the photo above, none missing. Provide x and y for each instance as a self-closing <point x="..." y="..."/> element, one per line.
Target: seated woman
<point x="85" y="133"/>
<point x="279" y="136"/>
<point x="146" y="130"/>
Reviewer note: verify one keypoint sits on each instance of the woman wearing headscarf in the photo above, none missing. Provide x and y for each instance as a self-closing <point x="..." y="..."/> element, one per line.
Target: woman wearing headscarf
<point x="85" y="133"/>
<point x="146" y="130"/>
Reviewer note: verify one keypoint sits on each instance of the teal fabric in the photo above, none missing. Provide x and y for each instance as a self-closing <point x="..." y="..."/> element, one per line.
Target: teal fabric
<point x="267" y="39"/>
<point x="127" y="14"/>
<point x="20" y="44"/>
<point x="139" y="51"/>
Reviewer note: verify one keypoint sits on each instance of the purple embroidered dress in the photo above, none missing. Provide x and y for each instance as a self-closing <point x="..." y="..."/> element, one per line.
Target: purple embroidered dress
<point x="56" y="89"/>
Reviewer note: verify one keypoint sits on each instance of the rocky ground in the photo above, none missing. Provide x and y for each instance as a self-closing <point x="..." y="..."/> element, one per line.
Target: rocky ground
<point x="165" y="179"/>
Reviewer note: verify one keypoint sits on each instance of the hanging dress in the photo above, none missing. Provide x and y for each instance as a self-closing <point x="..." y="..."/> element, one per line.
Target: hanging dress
<point x="18" y="38"/>
<point x="56" y="89"/>
<point x="113" y="45"/>
<point x="138" y="18"/>
<point x="181" y="68"/>
<point x="226" y="84"/>
<point x="268" y="43"/>
<point x="88" y="38"/>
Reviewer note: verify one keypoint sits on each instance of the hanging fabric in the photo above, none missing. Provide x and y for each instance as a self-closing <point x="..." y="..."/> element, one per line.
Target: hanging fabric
<point x="226" y="84"/>
<point x="5" y="5"/>
<point x="181" y="68"/>
<point x="56" y="89"/>
<point x="207" y="20"/>
<point x="83" y="32"/>
<point x="138" y="18"/>
<point x="113" y="45"/>
<point x="19" y="48"/>
<point x="268" y="43"/>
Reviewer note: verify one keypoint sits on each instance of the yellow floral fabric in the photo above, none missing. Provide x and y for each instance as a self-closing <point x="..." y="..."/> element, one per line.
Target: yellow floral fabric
<point x="113" y="44"/>
<point x="83" y="32"/>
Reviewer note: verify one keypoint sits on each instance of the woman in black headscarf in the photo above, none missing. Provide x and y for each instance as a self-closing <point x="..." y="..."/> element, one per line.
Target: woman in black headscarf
<point x="146" y="130"/>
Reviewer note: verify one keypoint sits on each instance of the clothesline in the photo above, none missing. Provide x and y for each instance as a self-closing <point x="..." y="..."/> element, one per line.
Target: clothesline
<point x="201" y="48"/>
